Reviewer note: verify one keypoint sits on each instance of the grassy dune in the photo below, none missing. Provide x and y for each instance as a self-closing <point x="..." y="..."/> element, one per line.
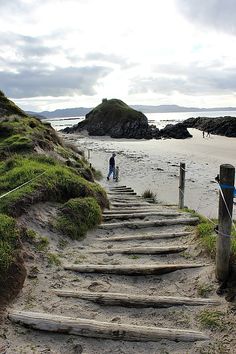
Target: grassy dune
<point x="31" y="150"/>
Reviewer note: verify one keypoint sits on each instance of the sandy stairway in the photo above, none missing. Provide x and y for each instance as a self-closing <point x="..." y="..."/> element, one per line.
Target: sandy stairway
<point x="133" y="227"/>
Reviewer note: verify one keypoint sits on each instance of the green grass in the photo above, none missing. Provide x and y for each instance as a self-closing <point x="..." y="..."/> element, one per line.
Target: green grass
<point x="207" y="237"/>
<point x="77" y="216"/>
<point x="59" y="183"/>
<point x="8" y="107"/>
<point x="22" y="134"/>
<point x="42" y="244"/>
<point x="9" y="236"/>
<point x="213" y="320"/>
<point x="204" y="290"/>
<point x="53" y="259"/>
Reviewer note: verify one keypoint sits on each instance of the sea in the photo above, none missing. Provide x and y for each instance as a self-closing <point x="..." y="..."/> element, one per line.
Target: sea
<point x="160" y="120"/>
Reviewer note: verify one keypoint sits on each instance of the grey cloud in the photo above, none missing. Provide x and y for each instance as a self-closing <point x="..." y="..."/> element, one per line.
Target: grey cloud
<point x="110" y="58"/>
<point x="57" y="82"/>
<point x="26" y="46"/>
<point x="193" y="79"/>
<point x="219" y="14"/>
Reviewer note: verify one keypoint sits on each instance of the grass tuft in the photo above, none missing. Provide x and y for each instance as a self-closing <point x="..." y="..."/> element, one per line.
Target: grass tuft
<point x="148" y="194"/>
<point x="211" y="319"/>
<point x="77" y="216"/>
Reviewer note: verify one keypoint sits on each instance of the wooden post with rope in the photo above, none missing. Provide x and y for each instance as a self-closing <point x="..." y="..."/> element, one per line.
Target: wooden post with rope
<point x="181" y="185"/>
<point x="223" y="243"/>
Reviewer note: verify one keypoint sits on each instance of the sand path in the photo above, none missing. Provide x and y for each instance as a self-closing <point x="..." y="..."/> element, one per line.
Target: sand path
<point x="107" y="303"/>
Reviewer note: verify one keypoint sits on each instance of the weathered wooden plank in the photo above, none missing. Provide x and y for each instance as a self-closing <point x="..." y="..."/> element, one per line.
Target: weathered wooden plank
<point x="121" y="193"/>
<point x="138" y="215"/>
<point x="128" y="204"/>
<point x="121" y="189"/>
<point x="131" y="269"/>
<point x="129" y="300"/>
<point x="152" y="223"/>
<point x="132" y="210"/>
<point x="107" y="330"/>
<point x="142" y="250"/>
<point x="145" y="236"/>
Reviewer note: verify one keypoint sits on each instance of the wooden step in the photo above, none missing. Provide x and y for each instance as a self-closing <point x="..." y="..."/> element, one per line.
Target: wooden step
<point x="131" y="269"/>
<point x="131" y="210"/>
<point x="117" y="189"/>
<point x="119" y="193"/>
<point x="152" y="223"/>
<point x="161" y="235"/>
<point x="105" y="330"/>
<point x="129" y="300"/>
<point x="129" y="204"/>
<point x="142" y="250"/>
<point x="138" y="215"/>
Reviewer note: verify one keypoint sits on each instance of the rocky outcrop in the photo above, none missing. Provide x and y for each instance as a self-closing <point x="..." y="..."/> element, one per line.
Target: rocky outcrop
<point x="175" y="131"/>
<point x="225" y="126"/>
<point x="117" y="120"/>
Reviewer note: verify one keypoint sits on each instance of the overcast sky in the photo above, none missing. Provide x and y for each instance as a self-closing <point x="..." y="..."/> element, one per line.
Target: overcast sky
<point x="70" y="53"/>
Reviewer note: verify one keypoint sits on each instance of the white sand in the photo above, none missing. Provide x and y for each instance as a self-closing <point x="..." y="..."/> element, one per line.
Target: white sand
<point x="140" y="160"/>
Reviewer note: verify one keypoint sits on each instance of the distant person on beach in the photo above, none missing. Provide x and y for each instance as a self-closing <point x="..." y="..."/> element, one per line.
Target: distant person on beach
<point x="203" y="134"/>
<point x="112" y="167"/>
<point x="208" y="133"/>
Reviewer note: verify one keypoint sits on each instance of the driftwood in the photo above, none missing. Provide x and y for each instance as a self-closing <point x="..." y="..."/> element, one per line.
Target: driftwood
<point x="138" y="215"/>
<point x="131" y="210"/>
<point x="107" y="330"/>
<point x="131" y="269"/>
<point x="130" y="204"/>
<point x="121" y="190"/>
<point x="145" y="236"/>
<point x="121" y="193"/>
<point x="127" y="300"/>
<point x="153" y="223"/>
<point x="143" y="250"/>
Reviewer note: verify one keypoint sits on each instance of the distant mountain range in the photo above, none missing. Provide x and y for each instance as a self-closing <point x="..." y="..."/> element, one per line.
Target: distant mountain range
<point x="81" y="111"/>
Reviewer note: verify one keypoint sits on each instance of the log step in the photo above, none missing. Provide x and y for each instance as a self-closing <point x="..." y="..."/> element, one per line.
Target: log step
<point x="138" y="215"/>
<point x="121" y="190"/>
<point x="119" y="193"/>
<point x="131" y="210"/>
<point x="130" y="269"/>
<point x="106" y="330"/>
<point x="161" y="235"/>
<point x="143" y="224"/>
<point x="130" y="203"/>
<point x="143" y="250"/>
<point x="127" y="300"/>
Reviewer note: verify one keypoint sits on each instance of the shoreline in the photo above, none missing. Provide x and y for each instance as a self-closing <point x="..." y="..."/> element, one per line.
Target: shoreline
<point x="154" y="164"/>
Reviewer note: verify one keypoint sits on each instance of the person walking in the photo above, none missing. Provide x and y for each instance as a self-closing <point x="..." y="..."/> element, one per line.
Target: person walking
<point x="112" y="167"/>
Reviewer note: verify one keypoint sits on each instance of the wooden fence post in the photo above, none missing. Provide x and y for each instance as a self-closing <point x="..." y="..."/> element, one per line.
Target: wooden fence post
<point x="223" y="243"/>
<point x="181" y="185"/>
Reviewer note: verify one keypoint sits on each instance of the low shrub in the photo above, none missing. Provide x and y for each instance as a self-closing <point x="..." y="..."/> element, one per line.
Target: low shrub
<point x="77" y="216"/>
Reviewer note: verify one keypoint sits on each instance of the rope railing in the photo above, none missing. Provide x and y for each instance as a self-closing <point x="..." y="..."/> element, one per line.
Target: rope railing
<point x="20" y="186"/>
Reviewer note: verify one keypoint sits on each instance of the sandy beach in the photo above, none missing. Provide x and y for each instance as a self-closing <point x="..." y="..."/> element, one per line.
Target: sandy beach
<point x="154" y="164"/>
